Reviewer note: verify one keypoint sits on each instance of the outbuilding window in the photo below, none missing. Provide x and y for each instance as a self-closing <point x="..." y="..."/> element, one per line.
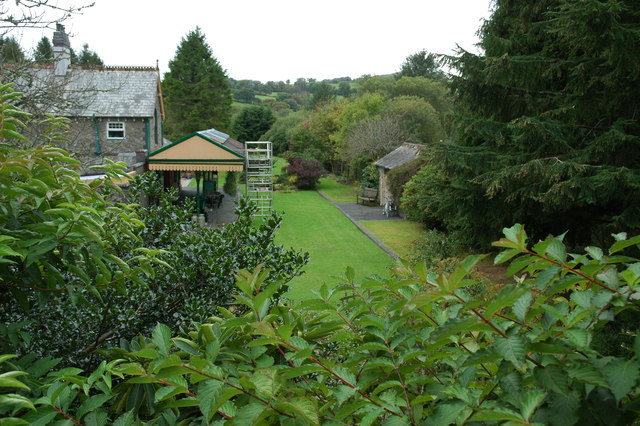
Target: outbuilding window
<point x="115" y="130"/>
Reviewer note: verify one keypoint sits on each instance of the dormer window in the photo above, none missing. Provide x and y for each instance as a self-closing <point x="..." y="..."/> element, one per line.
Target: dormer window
<point x="115" y="130"/>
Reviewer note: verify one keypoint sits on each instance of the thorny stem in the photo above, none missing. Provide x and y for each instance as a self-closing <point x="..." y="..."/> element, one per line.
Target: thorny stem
<point x="341" y="379"/>
<point x="188" y="392"/>
<point x="402" y="383"/>
<point x="579" y="273"/>
<point x="75" y="422"/>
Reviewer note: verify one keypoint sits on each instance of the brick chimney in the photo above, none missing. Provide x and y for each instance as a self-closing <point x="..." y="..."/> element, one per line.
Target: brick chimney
<point x="61" y="50"/>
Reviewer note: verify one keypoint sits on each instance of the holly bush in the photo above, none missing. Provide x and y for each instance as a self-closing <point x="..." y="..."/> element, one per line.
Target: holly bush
<point x="417" y="348"/>
<point x="79" y="271"/>
<point x="196" y="276"/>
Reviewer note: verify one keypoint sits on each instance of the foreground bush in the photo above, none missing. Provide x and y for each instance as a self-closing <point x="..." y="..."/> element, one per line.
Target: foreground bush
<point x="196" y="276"/>
<point x="79" y="271"/>
<point x="414" y="349"/>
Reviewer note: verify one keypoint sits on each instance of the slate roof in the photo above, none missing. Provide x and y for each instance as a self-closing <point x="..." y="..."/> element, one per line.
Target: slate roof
<point x="109" y="91"/>
<point x="399" y="156"/>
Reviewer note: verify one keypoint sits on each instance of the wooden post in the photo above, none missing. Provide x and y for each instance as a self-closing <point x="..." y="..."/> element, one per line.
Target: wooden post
<point x="198" y="178"/>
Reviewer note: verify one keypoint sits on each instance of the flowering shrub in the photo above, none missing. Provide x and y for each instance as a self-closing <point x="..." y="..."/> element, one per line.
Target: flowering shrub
<point x="307" y="173"/>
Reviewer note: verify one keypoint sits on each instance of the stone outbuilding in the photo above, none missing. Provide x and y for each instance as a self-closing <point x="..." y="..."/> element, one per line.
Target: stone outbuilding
<point x="403" y="154"/>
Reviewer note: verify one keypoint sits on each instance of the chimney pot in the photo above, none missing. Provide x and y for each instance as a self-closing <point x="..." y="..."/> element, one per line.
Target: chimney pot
<point x="61" y="50"/>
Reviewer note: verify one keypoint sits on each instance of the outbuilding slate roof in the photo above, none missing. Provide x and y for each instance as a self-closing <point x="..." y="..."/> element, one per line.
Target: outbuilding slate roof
<point x="109" y="91"/>
<point x="401" y="155"/>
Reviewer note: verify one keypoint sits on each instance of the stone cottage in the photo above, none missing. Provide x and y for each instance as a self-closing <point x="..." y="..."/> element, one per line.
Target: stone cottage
<point x="399" y="156"/>
<point x="115" y="113"/>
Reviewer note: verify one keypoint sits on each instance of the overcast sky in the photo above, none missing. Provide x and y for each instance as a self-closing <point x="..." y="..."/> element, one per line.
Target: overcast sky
<point x="277" y="39"/>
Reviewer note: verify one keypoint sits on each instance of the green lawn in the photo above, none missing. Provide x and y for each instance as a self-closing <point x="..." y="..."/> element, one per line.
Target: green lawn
<point x="338" y="192"/>
<point x="278" y="164"/>
<point x="313" y="224"/>
<point x="398" y="235"/>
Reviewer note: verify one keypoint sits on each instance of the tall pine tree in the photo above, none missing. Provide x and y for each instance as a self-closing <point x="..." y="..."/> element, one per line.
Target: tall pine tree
<point x="89" y="57"/>
<point x="44" y="51"/>
<point x="548" y="130"/>
<point x="196" y="89"/>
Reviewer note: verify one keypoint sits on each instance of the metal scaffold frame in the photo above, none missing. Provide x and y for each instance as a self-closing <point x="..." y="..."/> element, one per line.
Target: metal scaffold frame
<point x="259" y="176"/>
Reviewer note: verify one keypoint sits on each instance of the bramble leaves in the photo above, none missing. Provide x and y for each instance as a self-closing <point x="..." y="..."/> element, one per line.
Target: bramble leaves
<point x="413" y="349"/>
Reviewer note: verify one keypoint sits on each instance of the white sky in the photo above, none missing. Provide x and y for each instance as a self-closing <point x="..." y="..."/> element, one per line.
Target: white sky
<point x="277" y="39"/>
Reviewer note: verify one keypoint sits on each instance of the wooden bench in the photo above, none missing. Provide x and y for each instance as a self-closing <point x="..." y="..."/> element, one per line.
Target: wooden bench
<point x="367" y="194"/>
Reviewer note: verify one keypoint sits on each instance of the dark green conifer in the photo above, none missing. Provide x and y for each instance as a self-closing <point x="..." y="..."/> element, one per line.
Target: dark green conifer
<point x="196" y="89"/>
<point x="548" y="130"/>
<point x="44" y="51"/>
<point x="89" y="57"/>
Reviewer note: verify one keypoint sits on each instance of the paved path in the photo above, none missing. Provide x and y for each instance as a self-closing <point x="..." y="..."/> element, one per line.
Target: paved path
<point x="216" y="217"/>
<point x="359" y="212"/>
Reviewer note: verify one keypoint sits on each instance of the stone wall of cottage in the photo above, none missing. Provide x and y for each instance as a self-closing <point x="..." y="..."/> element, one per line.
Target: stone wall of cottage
<point x="130" y="150"/>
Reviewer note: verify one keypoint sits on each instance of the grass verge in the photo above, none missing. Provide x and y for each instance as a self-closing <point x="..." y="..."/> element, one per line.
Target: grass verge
<point x="337" y="192"/>
<point x="398" y="235"/>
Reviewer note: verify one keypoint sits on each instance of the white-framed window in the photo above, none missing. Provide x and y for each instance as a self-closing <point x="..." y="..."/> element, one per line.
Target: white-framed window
<point x="115" y="130"/>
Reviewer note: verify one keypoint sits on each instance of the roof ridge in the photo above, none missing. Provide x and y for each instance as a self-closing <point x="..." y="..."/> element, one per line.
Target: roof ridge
<point x="113" y="67"/>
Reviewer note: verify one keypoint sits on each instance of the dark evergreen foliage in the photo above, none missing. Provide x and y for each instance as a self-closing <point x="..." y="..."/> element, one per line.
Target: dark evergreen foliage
<point x="10" y="51"/>
<point x="422" y="64"/>
<point x="44" y="51"/>
<point x="547" y="123"/>
<point x="89" y="57"/>
<point x="196" y="89"/>
<point x="253" y="122"/>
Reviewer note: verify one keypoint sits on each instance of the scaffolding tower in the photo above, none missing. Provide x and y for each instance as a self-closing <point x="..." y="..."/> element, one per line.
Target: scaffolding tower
<point x="259" y="176"/>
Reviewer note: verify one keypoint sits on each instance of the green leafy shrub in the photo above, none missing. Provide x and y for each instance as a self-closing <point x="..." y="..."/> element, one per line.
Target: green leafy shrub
<point x="435" y="247"/>
<point x="197" y="275"/>
<point x="62" y="240"/>
<point x="370" y="177"/>
<point x="77" y="269"/>
<point x="231" y="183"/>
<point x="400" y="175"/>
<point x="414" y="349"/>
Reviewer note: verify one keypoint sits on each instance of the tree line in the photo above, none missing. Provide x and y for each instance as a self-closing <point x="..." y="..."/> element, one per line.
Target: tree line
<point x="12" y="52"/>
<point x="541" y="127"/>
